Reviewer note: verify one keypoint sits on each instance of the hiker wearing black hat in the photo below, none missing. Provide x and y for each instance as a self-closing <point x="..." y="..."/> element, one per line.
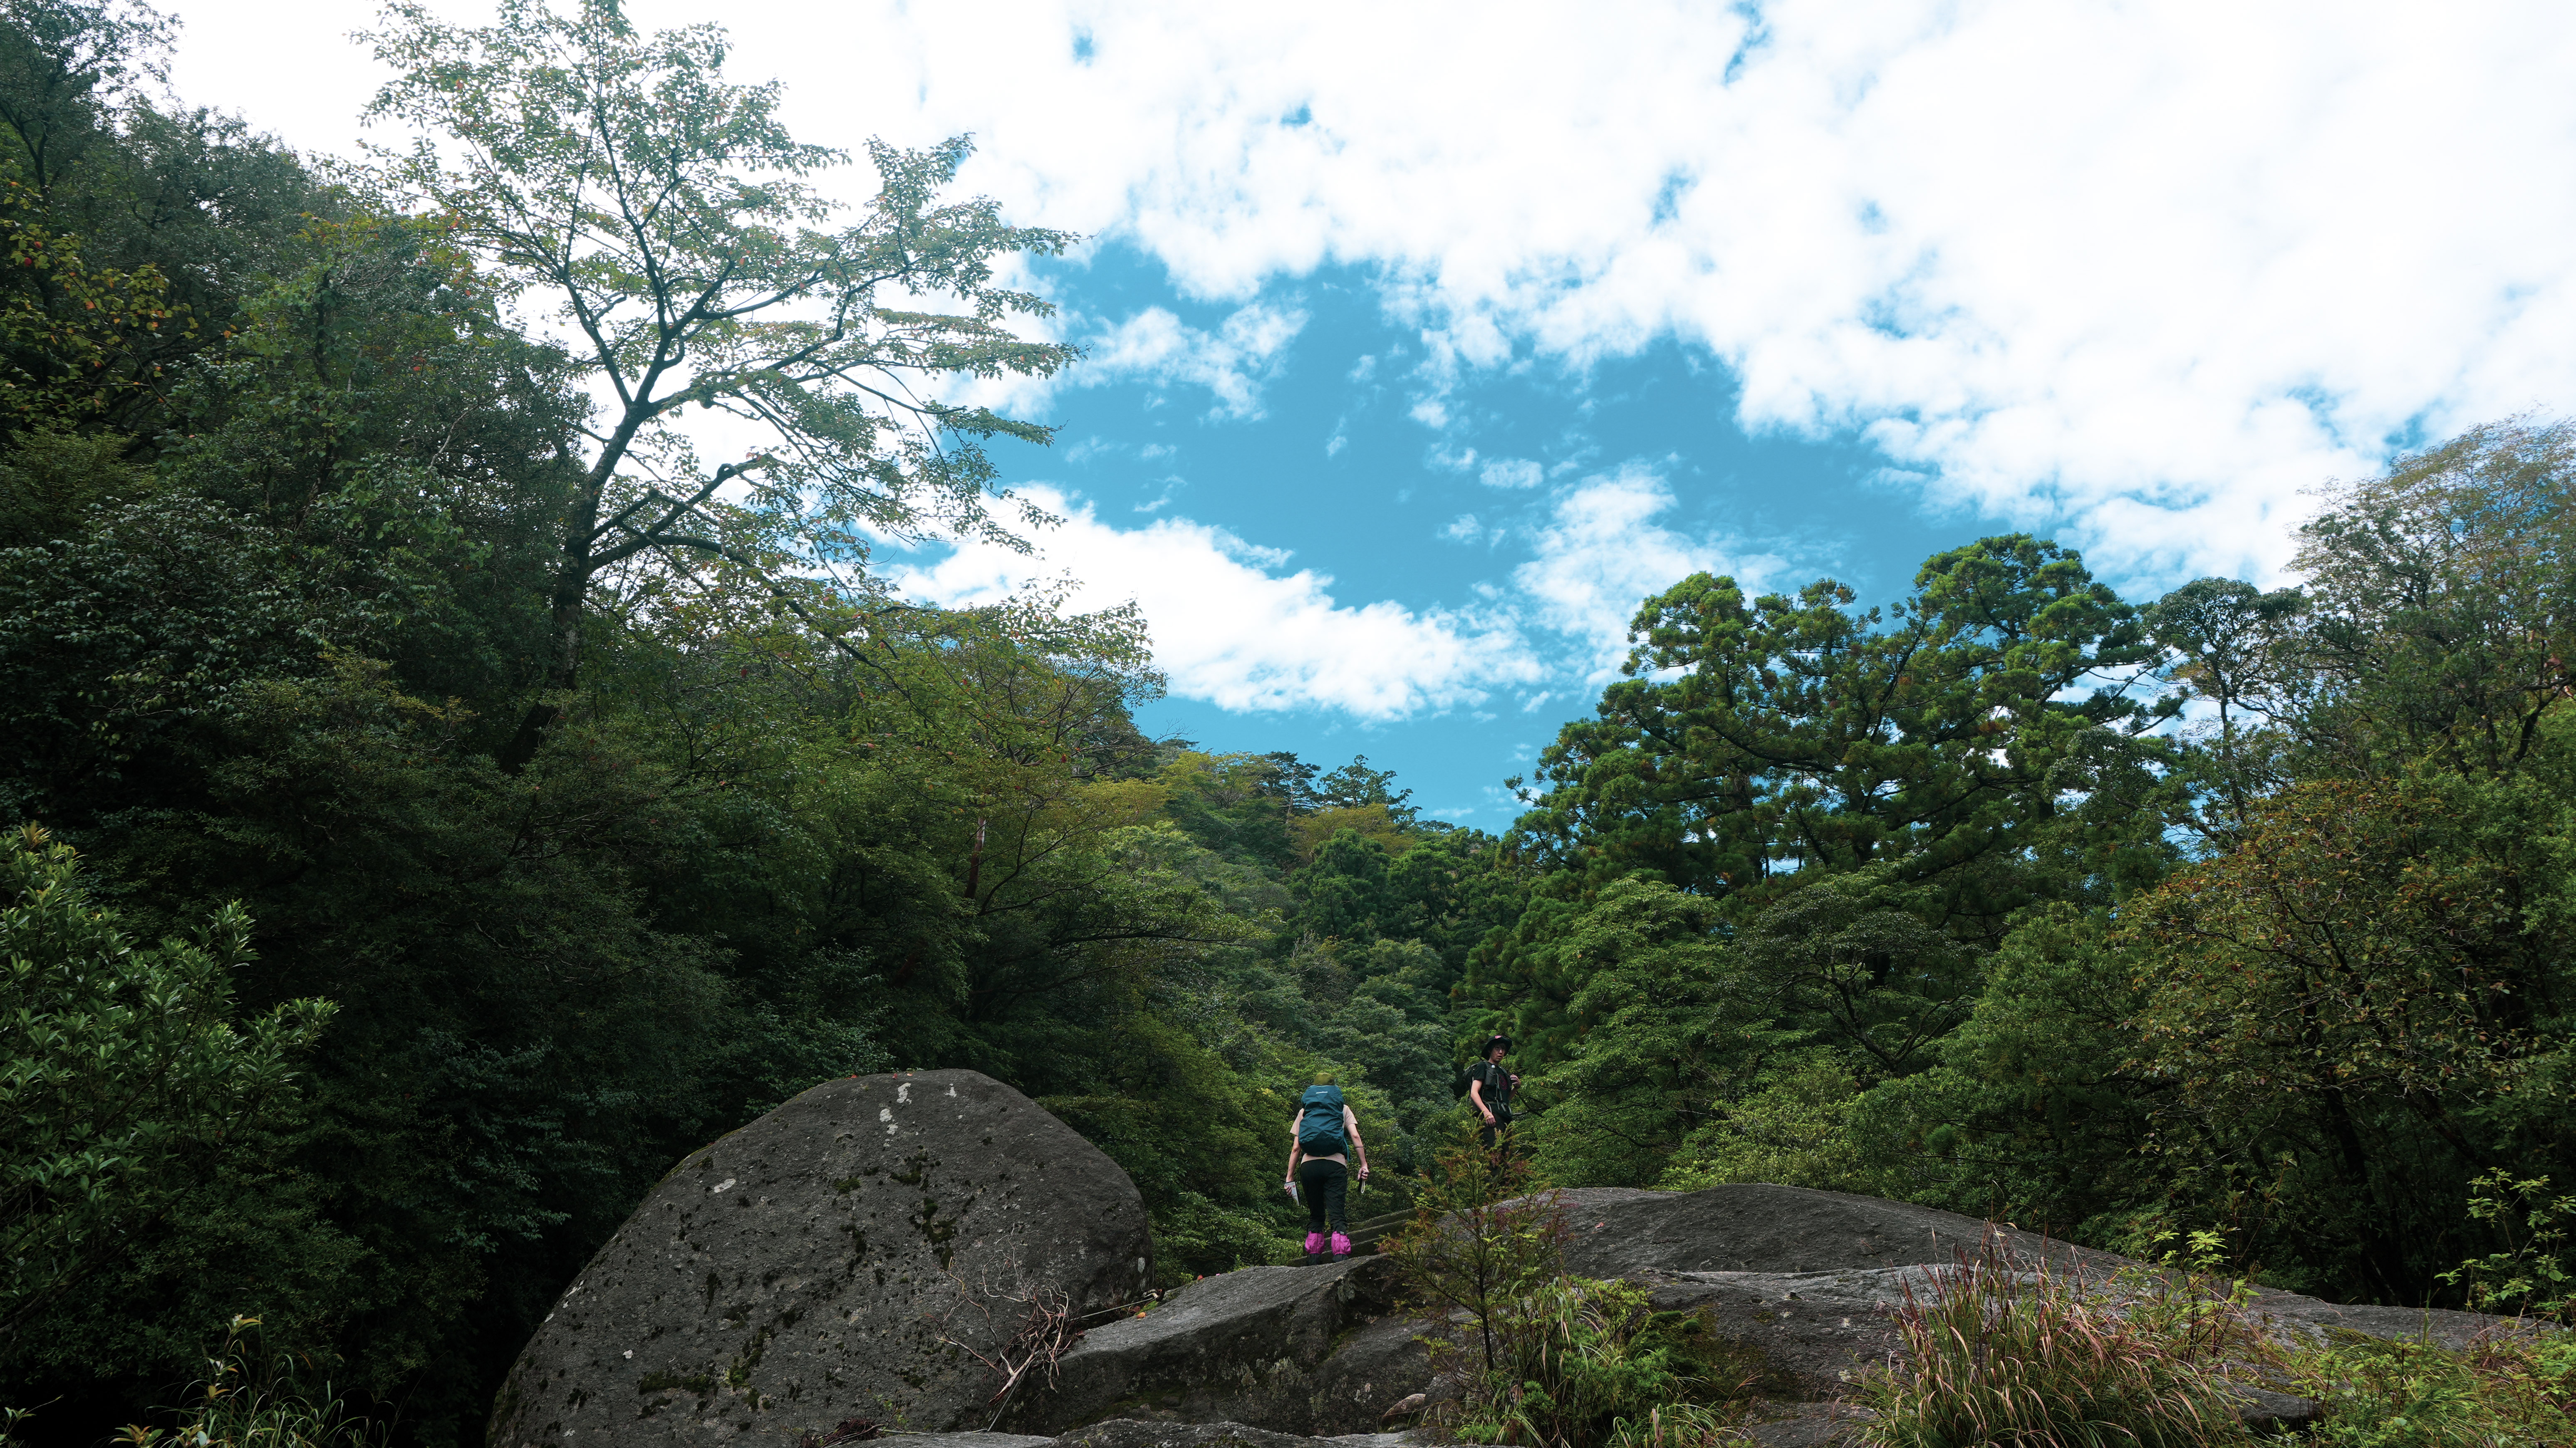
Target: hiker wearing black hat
<point x="1489" y="1090"/>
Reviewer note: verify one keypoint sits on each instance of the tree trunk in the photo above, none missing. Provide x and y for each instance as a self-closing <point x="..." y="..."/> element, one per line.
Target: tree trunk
<point x="563" y="630"/>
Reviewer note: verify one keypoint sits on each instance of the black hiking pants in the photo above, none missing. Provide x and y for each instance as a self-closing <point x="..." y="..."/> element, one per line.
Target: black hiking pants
<point x="1325" y="1183"/>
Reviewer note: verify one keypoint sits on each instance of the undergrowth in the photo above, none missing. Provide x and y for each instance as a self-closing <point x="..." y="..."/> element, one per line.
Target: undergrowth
<point x="1545" y="1359"/>
<point x="252" y="1398"/>
<point x="1993" y="1353"/>
<point x="2508" y="1390"/>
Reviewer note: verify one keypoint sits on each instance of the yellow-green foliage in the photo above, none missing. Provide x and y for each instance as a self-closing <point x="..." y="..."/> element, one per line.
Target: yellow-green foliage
<point x="250" y="1398"/>
<point x="2506" y="1389"/>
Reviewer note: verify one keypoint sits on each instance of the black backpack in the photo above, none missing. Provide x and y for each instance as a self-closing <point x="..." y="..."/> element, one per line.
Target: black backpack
<point x="1319" y="1122"/>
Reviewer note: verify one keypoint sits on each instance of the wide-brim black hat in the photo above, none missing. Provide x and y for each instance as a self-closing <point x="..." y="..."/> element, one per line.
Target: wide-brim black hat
<point x="1503" y="1041"/>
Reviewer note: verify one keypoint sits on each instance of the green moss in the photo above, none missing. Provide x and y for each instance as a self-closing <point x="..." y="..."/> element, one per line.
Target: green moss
<point x="738" y="1374"/>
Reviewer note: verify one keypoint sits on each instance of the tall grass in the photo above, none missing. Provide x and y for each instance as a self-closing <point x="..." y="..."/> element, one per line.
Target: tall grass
<point x="255" y="1399"/>
<point x="1992" y="1354"/>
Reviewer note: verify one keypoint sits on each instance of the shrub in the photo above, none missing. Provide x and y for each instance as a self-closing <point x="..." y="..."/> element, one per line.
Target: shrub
<point x="1481" y="1239"/>
<point x="2510" y="1388"/>
<point x="1587" y="1364"/>
<point x="2534" y="1275"/>
<point x="1544" y="1358"/>
<point x="126" y="1073"/>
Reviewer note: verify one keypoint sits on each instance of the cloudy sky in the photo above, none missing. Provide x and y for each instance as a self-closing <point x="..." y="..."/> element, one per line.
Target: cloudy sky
<point x="1426" y="339"/>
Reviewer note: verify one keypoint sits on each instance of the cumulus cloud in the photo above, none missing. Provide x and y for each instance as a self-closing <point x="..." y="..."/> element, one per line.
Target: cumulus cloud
<point x="1233" y="627"/>
<point x="1602" y="551"/>
<point x="1512" y="473"/>
<point x="2151" y="270"/>
<point x="2154" y="268"/>
<point x="1231" y="362"/>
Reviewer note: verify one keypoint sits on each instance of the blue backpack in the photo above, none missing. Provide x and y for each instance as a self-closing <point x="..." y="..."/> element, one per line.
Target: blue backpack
<point x="1319" y="1122"/>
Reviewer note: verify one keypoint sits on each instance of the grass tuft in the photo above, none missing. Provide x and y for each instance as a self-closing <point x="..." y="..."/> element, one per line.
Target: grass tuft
<point x="1993" y="1354"/>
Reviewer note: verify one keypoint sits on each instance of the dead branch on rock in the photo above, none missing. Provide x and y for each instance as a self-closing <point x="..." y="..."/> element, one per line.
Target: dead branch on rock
<point x="1040" y="1331"/>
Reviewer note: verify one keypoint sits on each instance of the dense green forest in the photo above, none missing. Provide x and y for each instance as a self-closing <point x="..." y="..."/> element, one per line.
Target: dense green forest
<point x="438" y="799"/>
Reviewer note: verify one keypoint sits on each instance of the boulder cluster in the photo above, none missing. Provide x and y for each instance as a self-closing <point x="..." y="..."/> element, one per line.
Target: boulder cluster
<point x="931" y="1255"/>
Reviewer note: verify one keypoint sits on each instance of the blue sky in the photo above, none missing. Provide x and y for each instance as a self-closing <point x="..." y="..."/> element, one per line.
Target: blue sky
<point x="1426" y="338"/>
<point x="1316" y="451"/>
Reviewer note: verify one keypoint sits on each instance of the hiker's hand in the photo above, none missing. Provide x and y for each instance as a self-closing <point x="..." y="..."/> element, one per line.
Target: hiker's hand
<point x="1363" y="1171"/>
<point x="1489" y="1118"/>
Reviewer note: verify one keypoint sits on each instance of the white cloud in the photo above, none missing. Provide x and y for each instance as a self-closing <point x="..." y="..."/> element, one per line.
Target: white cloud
<point x="1230" y="627"/>
<point x="1601" y="552"/>
<point x="2158" y="267"/>
<point x="1512" y="473"/>
<point x="1233" y="627"/>
<point x="1231" y="362"/>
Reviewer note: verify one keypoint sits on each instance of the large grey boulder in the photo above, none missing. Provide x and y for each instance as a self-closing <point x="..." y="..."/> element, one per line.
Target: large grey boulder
<point x="1799" y="1282"/>
<point x="866" y="1250"/>
<point x="1157" y="1433"/>
<point x="1754" y="1227"/>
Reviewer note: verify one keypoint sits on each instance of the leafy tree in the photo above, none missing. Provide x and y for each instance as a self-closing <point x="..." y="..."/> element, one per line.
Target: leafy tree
<point x="2231" y="638"/>
<point x="64" y="66"/>
<point x="134" y="229"/>
<point x="2036" y="1109"/>
<point x="1344" y="889"/>
<point x="1790" y="1126"/>
<point x="2357" y="1016"/>
<point x="667" y="220"/>
<point x="1755" y="749"/>
<point x="2440" y="607"/>
<point x="1750" y="741"/>
<point x="1238" y="805"/>
<point x="1356" y="786"/>
<point x="51" y="481"/>
<point x="1656" y="1028"/>
<point x="76" y="337"/>
<point x="1673" y="1020"/>
<point x="123" y="1071"/>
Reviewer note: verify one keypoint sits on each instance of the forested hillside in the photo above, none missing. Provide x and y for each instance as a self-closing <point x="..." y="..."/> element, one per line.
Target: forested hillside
<point x="2237" y="913"/>
<point x="562" y="847"/>
<point x="439" y="799"/>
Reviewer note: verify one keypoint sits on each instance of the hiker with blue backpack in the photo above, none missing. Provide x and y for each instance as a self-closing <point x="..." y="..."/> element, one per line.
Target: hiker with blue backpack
<point x="1320" y="1136"/>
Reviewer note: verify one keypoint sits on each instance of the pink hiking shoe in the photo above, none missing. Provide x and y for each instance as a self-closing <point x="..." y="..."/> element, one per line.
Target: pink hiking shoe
<point x="1315" y="1243"/>
<point x="1341" y="1244"/>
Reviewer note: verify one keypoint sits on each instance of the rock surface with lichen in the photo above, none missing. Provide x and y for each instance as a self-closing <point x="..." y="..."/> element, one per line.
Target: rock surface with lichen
<point x="872" y="1248"/>
<point x="1793" y="1289"/>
